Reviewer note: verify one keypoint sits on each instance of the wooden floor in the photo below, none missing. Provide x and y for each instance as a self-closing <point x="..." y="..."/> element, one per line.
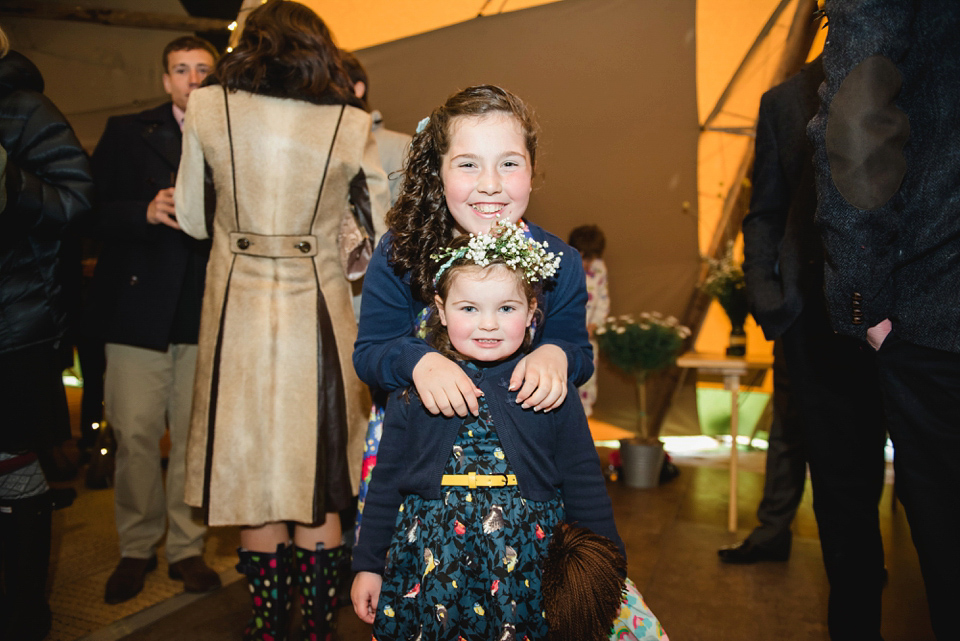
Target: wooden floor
<point x="672" y="534"/>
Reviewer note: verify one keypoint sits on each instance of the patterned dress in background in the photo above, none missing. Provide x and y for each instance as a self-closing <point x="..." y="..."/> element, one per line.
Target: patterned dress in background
<point x="468" y="565"/>
<point x="598" y="308"/>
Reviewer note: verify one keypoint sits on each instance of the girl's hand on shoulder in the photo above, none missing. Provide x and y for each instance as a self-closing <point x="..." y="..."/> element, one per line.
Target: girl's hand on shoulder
<point x="365" y="595"/>
<point x="444" y="388"/>
<point x="543" y="376"/>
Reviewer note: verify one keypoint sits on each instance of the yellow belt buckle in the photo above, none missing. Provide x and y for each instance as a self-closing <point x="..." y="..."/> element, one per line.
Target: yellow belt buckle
<point x="472" y="480"/>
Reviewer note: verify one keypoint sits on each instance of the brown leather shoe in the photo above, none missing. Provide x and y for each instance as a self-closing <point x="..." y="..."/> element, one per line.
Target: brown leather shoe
<point x="195" y="574"/>
<point x="127" y="579"/>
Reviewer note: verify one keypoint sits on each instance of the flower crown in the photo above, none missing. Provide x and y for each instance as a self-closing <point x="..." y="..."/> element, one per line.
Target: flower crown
<point x="509" y="242"/>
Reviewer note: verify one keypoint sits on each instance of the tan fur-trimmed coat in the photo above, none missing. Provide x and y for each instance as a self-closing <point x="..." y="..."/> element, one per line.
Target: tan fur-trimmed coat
<point x="257" y="364"/>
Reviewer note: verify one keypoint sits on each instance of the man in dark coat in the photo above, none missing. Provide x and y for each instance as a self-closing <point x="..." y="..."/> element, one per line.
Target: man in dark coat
<point x="46" y="189"/>
<point x="887" y="155"/>
<point x="146" y="297"/>
<point x="833" y="419"/>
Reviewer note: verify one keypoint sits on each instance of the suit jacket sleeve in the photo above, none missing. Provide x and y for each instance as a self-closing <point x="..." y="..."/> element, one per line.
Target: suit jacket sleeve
<point x="860" y="240"/>
<point x="121" y="208"/>
<point x="765" y="225"/>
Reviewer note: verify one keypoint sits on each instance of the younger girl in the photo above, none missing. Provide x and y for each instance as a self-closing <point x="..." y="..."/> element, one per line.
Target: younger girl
<point x="478" y="498"/>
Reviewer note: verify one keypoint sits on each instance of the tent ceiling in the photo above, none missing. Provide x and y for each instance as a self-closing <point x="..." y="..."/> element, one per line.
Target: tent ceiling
<point x="358" y="24"/>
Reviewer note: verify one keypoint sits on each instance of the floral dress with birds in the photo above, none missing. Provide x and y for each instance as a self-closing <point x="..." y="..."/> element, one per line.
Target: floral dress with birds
<point x="467" y="566"/>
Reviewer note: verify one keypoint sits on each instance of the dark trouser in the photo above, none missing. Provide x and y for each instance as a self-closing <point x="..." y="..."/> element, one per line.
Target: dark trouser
<point x="786" y="467"/>
<point x="24" y="561"/>
<point x="834" y="380"/>
<point x="921" y="388"/>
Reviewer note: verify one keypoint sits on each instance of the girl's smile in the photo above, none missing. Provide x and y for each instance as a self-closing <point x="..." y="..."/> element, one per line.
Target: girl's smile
<point x="486" y="171"/>
<point x="486" y="313"/>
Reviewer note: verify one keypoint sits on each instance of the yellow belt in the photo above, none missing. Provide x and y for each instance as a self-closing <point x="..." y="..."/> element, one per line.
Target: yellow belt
<point x="479" y="480"/>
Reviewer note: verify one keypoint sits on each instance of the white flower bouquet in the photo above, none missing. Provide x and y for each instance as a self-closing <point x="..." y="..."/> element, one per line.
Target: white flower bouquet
<point x="638" y="346"/>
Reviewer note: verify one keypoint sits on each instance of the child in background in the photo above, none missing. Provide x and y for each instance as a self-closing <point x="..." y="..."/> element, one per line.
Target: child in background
<point x="585" y="595"/>
<point x="471" y="161"/>
<point x="460" y="510"/>
<point x="590" y="242"/>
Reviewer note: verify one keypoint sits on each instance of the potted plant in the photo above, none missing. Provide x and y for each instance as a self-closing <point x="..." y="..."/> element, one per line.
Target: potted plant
<point x="637" y="347"/>
<point x="725" y="282"/>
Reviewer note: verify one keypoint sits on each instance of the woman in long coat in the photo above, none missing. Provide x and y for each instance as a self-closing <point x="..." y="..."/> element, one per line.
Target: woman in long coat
<point x="279" y="414"/>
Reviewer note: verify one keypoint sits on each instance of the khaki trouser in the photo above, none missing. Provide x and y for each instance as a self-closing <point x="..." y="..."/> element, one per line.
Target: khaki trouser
<point x="146" y="391"/>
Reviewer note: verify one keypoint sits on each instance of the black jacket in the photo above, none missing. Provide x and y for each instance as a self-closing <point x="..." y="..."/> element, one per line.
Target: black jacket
<point x="148" y="285"/>
<point x="782" y="253"/>
<point x="49" y="187"/>
<point x="887" y="156"/>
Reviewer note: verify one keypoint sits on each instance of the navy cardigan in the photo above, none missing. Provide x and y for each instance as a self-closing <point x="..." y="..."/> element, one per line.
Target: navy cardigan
<point x="386" y="350"/>
<point x="547" y="451"/>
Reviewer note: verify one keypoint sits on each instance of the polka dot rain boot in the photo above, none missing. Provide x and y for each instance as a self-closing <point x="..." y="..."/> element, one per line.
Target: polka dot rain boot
<point x="317" y="574"/>
<point x="270" y="581"/>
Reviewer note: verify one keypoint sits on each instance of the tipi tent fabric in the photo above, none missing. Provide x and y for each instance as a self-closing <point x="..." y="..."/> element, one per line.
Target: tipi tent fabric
<point x="613" y="84"/>
<point x="617" y="84"/>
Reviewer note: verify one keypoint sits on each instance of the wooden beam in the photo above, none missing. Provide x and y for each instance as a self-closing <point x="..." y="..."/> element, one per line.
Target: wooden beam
<point x="111" y="17"/>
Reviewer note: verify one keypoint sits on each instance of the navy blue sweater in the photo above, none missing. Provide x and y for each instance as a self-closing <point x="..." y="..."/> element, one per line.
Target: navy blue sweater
<point x="386" y="350"/>
<point x="547" y="451"/>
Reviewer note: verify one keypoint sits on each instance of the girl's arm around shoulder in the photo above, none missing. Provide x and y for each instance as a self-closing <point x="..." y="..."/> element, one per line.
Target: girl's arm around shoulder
<point x="583" y="487"/>
<point x="384" y="497"/>
<point x="565" y="324"/>
<point x="386" y="351"/>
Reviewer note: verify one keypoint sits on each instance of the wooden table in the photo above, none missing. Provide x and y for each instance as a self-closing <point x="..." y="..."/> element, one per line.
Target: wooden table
<point x="731" y="368"/>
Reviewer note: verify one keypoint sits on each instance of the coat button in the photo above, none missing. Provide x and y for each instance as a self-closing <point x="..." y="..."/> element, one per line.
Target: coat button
<point x="303" y="247"/>
<point x="243" y="243"/>
<point x="134" y="280"/>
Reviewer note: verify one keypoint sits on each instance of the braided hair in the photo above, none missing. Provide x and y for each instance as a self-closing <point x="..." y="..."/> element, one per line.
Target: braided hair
<point x="583" y="584"/>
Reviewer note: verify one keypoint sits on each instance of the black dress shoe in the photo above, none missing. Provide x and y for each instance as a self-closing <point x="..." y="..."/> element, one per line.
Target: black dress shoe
<point x="195" y="574"/>
<point x="127" y="579"/>
<point x="747" y="552"/>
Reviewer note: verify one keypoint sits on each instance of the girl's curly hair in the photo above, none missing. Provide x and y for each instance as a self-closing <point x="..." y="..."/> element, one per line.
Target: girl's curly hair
<point x="583" y="584"/>
<point x="420" y="220"/>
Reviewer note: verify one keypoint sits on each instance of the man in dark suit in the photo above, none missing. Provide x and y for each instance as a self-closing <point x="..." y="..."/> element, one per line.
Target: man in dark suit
<point x="888" y="175"/>
<point x="838" y="428"/>
<point x="148" y="288"/>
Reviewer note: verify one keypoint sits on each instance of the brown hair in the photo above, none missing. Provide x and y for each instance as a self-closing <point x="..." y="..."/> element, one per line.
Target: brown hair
<point x="356" y="73"/>
<point x="420" y="220"/>
<point x="187" y="43"/>
<point x="583" y="584"/>
<point x="437" y="335"/>
<point x="287" y="51"/>
<point x="588" y="240"/>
